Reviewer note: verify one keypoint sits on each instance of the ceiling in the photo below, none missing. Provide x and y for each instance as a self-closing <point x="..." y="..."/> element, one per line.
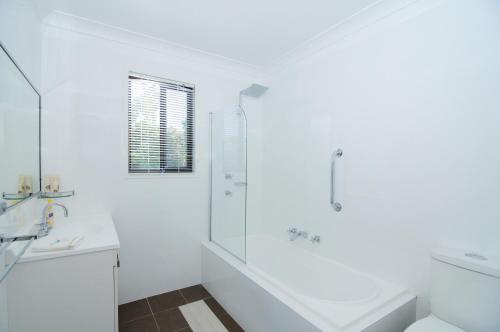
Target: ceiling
<point x="255" y="32"/>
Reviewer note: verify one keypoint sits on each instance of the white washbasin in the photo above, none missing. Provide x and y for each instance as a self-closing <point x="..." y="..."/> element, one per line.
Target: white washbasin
<point x="80" y="226"/>
<point x="98" y="232"/>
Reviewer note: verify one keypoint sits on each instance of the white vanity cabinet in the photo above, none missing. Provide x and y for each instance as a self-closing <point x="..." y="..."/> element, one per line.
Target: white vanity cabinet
<point x="73" y="290"/>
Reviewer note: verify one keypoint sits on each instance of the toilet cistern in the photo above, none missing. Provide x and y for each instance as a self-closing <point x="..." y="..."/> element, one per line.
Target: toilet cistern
<point x="464" y="293"/>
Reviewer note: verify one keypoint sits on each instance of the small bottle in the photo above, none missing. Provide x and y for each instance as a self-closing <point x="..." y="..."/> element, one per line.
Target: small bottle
<point x="50" y="213"/>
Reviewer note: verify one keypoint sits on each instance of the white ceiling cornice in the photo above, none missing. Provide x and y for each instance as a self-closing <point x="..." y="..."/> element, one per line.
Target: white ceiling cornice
<point x="378" y="17"/>
<point x="80" y="25"/>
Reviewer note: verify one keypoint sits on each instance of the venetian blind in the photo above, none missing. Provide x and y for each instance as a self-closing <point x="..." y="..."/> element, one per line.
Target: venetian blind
<point x="160" y="125"/>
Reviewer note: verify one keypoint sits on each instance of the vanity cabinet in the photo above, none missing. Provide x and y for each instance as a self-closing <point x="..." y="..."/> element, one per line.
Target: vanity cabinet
<point x="76" y="293"/>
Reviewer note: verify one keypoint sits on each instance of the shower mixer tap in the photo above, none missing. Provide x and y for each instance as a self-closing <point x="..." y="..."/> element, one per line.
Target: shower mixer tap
<point x="315" y="239"/>
<point x="294" y="234"/>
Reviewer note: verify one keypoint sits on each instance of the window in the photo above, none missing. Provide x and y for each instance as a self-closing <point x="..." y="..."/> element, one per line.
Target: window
<point x="160" y="125"/>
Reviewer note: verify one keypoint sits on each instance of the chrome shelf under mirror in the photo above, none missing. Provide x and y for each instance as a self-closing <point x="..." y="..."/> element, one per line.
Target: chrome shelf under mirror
<point x="58" y="194"/>
<point x="4" y="207"/>
<point x="15" y="197"/>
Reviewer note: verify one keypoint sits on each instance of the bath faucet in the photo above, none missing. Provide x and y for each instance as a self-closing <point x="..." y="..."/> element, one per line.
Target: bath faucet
<point x="315" y="239"/>
<point x="294" y="233"/>
<point x="44" y="225"/>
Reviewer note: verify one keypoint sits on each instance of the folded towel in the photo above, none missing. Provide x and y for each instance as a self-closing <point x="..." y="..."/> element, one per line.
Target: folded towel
<point x="56" y="244"/>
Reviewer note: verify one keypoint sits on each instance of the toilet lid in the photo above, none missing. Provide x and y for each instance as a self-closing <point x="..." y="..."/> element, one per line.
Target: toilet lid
<point x="434" y="324"/>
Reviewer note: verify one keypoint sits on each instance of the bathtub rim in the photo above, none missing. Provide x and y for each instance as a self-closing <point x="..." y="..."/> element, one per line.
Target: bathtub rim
<point x="347" y="303"/>
<point x="305" y="311"/>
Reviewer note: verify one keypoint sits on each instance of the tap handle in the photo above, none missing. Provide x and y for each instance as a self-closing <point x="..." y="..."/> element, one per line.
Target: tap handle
<point x="315" y="239"/>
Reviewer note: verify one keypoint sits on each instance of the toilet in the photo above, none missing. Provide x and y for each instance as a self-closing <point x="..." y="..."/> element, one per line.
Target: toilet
<point x="464" y="294"/>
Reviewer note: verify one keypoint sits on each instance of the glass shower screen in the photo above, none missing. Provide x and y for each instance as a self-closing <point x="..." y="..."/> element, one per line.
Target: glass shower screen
<point x="228" y="180"/>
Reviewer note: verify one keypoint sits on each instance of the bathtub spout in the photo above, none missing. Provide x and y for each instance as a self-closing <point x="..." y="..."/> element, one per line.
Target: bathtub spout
<point x="293" y="233"/>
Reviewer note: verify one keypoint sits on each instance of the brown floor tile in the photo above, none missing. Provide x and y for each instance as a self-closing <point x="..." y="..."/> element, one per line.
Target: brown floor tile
<point x="171" y="320"/>
<point x="230" y="324"/>
<point x="166" y="301"/>
<point x="187" y="329"/>
<point x="133" y="310"/>
<point x="216" y="308"/>
<point x="145" y="324"/>
<point x="195" y="293"/>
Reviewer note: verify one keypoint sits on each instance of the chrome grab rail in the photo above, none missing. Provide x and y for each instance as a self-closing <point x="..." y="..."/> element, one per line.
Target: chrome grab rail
<point x="336" y="205"/>
<point x="9" y="267"/>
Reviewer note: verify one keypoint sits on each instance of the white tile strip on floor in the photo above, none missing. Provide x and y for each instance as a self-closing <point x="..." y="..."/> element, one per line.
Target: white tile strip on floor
<point x="200" y="318"/>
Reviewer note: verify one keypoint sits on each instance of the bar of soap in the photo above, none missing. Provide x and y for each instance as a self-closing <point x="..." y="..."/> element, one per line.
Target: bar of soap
<point x="51" y="183"/>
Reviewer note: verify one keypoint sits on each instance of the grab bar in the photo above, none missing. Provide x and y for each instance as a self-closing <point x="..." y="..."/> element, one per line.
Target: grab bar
<point x="9" y="267"/>
<point x="336" y="205"/>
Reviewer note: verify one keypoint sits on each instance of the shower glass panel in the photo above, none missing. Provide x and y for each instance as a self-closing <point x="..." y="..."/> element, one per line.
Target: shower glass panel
<point x="228" y="180"/>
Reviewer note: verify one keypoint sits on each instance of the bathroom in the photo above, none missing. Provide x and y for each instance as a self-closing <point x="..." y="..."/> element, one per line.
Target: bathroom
<point x="262" y="166"/>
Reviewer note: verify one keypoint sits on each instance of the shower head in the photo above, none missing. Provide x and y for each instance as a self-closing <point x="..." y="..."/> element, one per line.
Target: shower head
<point x="254" y="90"/>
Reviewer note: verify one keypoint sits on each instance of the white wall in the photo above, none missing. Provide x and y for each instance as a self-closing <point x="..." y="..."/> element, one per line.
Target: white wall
<point x="413" y="98"/>
<point x="160" y="220"/>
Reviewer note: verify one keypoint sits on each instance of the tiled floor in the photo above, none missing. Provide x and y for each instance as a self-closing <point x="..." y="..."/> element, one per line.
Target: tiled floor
<point x="161" y="313"/>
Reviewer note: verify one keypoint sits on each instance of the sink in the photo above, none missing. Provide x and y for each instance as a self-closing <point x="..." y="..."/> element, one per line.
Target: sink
<point x="74" y="227"/>
<point x="98" y="233"/>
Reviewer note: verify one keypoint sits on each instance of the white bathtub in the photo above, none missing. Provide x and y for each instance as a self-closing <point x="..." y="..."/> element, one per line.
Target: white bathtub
<point x="286" y="288"/>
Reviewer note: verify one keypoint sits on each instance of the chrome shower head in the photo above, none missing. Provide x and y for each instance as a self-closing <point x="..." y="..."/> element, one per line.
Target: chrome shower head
<point x="254" y="90"/>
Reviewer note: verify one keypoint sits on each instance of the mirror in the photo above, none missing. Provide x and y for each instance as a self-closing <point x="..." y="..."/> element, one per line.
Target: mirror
<point x="19" y="135"/>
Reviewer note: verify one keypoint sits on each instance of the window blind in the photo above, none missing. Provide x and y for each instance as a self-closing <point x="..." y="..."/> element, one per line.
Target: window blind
<point x="160" y="125"/>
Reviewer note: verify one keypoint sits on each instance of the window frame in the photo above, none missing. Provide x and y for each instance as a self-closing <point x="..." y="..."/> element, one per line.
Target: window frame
<point x="190" y="118"/>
